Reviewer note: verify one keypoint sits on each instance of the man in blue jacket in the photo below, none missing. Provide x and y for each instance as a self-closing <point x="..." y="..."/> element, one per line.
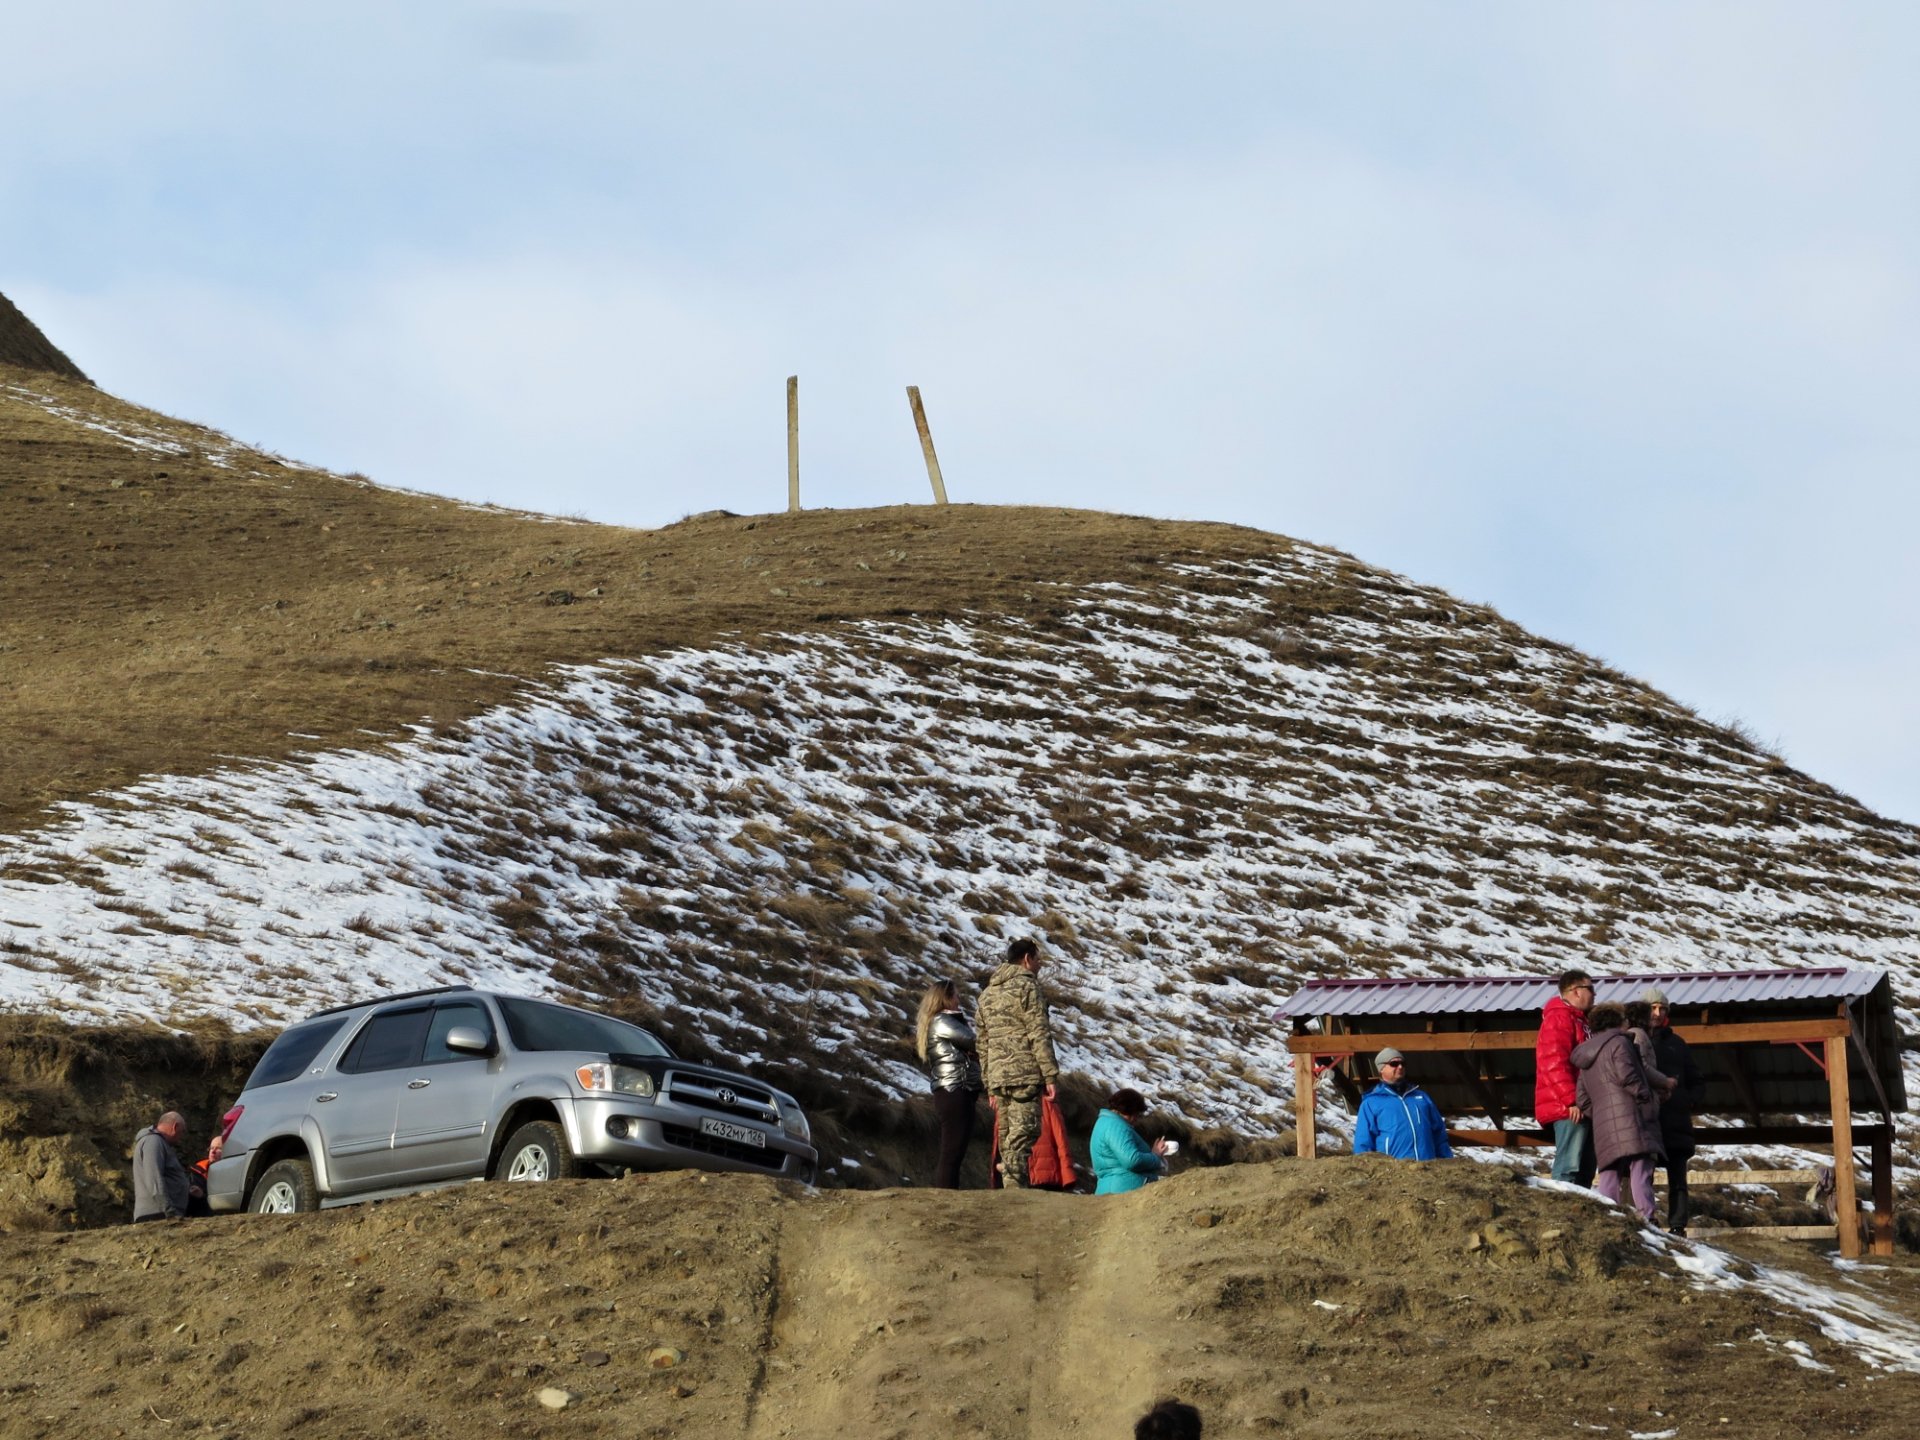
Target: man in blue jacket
<point x="1397" y="1118"/>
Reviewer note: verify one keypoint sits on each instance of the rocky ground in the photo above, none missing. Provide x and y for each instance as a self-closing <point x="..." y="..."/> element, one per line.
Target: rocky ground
<point x="1340" y="1297"/>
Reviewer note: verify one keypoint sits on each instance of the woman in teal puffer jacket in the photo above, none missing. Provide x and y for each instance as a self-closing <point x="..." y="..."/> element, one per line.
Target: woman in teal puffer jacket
<point x="1122" y="1161"/>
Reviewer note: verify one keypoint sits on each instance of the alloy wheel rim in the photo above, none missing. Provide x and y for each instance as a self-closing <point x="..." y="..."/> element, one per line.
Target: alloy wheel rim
<point x="279" y="1200"/>
<point x="529" y="1164"/>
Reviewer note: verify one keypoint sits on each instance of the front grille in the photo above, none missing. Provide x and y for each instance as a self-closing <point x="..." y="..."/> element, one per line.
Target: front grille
<point x="703" y="1094"/>
<point x="730" y="1149"/>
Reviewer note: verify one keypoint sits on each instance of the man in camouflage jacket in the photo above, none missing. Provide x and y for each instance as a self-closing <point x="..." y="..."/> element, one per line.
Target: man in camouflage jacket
<point x="1016" y="1056"/>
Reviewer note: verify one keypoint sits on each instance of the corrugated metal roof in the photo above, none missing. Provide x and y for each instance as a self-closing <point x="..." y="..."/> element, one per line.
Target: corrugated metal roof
<point x="1483" y="994"/>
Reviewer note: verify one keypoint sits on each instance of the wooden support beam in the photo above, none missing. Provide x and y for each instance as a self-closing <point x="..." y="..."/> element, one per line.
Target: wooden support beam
<point x="1778" y="1232"/>
<point x="1882" y="1177"/>
<point x="1752" y="1177"/>
<point x="1748" y="1032"/>
<point x="1476" y="1076"/>
<point x="1846" y="1204"/>
<point x="1743" y="1083"/>
<point x="1343" y="1082"/>
<point x="1781" y="1134"/>
<point x="1503" y="1139"/>
<point x="1873" y="1074"/>
<point x="1305" y="1139"/>
<point x="1421" y="1042"/>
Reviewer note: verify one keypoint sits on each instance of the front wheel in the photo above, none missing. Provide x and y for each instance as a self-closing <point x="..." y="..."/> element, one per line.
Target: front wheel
<point x="536" y="1151"/>
<point x="286" y="1188"/>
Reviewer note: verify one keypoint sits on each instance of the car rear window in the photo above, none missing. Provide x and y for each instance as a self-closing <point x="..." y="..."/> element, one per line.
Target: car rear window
<point x="293" y="1052"/>
<point x="535" y="1025"/>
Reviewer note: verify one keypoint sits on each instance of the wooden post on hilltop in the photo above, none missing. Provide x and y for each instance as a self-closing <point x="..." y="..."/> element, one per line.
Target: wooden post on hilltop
<point x="926" y="445"/>
<point x="1846" y="1203"/>
<point x="793" y="444"/>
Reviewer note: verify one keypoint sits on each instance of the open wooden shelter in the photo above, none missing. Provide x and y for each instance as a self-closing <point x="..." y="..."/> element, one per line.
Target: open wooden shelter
<point x="1776" y="1047"/>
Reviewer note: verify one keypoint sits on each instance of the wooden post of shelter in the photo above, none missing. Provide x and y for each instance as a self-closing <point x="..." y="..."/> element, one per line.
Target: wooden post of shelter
<point x="1882" y="1178"/>
<point x="1305" y="1134"/>
<point x="1846" y="1203"/>
<point x="926" y="445"/>
<point x="793" y="444"/>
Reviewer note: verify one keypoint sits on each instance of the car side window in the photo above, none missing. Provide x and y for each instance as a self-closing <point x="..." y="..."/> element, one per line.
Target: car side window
<point x="445" y="1018"/>
<point x="390" y="1040"/>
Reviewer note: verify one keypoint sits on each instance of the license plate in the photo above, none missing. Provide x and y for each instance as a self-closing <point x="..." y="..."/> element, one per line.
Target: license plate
<point x="739" y="1134"/>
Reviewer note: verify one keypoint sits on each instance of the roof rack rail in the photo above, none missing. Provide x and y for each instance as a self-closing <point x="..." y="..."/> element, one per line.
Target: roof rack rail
<point x="383" y="999"/>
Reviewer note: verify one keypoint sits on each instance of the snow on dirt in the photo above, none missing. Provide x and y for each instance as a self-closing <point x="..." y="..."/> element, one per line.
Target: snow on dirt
<point x="1195" y="809"/>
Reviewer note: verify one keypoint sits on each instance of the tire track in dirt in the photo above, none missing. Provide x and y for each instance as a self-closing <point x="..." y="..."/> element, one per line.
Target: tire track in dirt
<point x="965" y="1314"/>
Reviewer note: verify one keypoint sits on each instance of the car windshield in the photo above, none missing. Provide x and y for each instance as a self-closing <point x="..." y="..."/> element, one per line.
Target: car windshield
<point x="537" y="1026"/>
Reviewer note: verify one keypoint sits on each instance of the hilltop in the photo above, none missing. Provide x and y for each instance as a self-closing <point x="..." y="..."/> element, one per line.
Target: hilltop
<point x="23" y="346"/>
<point x="215" y="600"/>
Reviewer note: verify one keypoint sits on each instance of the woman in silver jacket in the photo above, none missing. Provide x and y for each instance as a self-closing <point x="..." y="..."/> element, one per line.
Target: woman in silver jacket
<point x="945" y="1042"/>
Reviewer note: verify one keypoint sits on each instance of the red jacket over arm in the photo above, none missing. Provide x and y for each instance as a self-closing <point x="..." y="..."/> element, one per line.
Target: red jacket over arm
<point x="1561" y="1028"/>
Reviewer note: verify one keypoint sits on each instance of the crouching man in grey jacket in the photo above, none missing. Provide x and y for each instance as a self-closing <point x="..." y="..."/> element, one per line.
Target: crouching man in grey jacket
<point x="162" y="1190"/>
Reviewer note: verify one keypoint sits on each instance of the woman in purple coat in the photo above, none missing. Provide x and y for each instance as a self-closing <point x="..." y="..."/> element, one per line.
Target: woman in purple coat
<point x="1614" y="1090"/>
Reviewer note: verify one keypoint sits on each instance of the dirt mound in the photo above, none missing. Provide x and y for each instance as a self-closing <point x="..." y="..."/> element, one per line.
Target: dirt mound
<point x="22" y="344"/>
<point x="1339" y="1297"/>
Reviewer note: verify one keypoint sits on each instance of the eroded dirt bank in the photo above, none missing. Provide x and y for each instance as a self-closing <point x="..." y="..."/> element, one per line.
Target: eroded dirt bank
<point x="73" y="1097"/>
<point x="1340" y="1297"/>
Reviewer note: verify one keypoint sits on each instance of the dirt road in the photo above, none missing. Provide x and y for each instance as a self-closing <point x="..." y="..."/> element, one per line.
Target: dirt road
<point x="1332" y="1298"/>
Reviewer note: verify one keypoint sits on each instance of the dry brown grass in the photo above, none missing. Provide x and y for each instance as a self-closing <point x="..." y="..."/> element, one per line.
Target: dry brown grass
<point x="156" y="611"/>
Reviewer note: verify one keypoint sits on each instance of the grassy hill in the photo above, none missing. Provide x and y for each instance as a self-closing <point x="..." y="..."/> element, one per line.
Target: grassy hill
<point x="762" y="777"/>
<point x="169" y="596"/>
<point x="277" y="737"/>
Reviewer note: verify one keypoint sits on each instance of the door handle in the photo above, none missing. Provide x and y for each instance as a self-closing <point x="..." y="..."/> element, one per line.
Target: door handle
<point x="326" y="1095"/>
<point x="418" y="1084"/>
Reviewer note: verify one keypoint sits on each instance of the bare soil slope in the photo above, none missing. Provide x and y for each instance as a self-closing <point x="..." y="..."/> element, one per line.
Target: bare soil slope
<point x="168" y="597"/>
<point x="1331" y="1298"/>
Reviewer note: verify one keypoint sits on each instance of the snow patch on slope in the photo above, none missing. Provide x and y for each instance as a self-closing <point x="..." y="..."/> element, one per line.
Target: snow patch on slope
<point x="1198" y="803"/>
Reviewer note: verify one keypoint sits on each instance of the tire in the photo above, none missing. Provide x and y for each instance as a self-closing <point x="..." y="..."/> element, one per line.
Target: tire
<point x="536" y="1151"/>
<point x="285" y="1188"/>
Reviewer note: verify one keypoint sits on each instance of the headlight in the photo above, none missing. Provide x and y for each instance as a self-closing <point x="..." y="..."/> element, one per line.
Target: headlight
<point x="794" y="1121"/>
<point x="616" y="1079"/>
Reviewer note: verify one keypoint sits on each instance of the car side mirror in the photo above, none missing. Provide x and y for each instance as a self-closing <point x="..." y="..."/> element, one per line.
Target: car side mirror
<point x="469" y="1040"/>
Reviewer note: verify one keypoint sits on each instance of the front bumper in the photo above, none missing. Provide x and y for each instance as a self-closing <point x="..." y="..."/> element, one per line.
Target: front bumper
<point x="640" y="1135"/>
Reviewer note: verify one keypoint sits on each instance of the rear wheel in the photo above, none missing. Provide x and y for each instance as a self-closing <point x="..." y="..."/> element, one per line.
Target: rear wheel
<point x="536" y="1151"/>
<point x="286" y="1188"/>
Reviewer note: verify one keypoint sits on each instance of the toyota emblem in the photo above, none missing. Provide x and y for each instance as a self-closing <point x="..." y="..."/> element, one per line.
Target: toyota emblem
<point x="727" y="1097"/>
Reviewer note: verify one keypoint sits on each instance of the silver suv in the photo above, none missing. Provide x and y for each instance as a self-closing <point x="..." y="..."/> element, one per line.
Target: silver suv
<point x="448" y="1085"/>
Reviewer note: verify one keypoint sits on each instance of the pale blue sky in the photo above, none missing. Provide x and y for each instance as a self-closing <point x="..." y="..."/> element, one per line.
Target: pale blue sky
<point x="1603" y="314"/>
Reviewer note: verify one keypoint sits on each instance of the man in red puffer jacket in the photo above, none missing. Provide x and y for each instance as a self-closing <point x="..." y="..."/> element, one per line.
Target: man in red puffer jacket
<point x="1563" y="1025"/>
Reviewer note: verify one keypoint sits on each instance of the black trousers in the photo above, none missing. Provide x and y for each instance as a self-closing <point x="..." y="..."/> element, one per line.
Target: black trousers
<point x="1679" y="1203"/>
<point x="955" y="1109"/>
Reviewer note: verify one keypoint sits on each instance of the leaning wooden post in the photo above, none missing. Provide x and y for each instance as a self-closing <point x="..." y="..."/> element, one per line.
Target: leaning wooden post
<point x="926" y="445"/>
<point x="1846" y="1204"/>
<point x="1305" y="1135"/>
<point x="1883" y="1190"/>
<point x="793" y="444"/>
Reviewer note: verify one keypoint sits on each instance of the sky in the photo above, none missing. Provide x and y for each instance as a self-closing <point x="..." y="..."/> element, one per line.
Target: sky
<point x="1601" y="314"/>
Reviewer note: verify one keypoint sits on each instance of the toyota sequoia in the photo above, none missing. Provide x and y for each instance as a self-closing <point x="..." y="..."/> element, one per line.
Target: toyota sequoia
<point x="433" y="1088"/>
